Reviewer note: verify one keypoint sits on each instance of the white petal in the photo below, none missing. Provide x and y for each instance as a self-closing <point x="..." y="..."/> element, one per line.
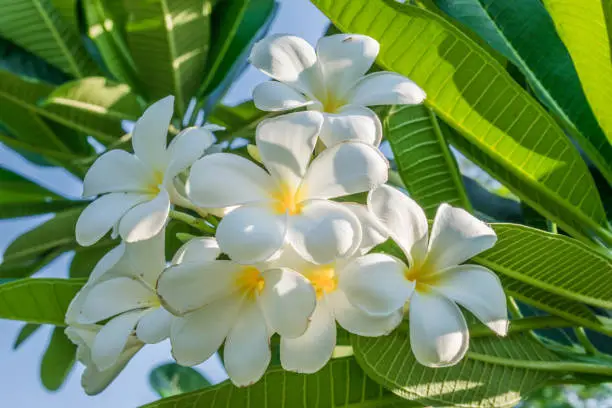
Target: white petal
<point x="385" y="88"/>
<point x="192" y="285"/>
<point x="202" y="250"/>
<point x="115" y="296"/>
<point x="186" y="148"/>
<point x="375" y="284"/>
<point x="144" y="259"/>
<point x="351" y="123"/>
<point x="154" y="326"/>
<point x="115" y="172"/>
<point x="324" y="231"/>
<point x="478" y="290"/>
<point x="347" y="168"/>
<point x="95" y="381"/>
<point x="112" y="339"/>
<point x="223" y="180"/>
<point x="358" y="322"/>
<point x="273" y="96"/>
<point x="404" y="219"/>
<point x="151" y="132"/>
<point x="247" y="349"/>
<point x="288" y="300"/>
<point x="456" y="236"/>
<point x="286" y="144"/>
<point x="311" y="351"/>
<point x="145" y="220"/>
<point x="438" y="333"/>
<point x="104" y="213"/>
<point x="107" y="264"/>
<point x="373" y="232"/>
<point x="288" y="59"/>
<point x="198" y="335"/>
<point x="251" y="234"/>
<point x="345" y="58"/>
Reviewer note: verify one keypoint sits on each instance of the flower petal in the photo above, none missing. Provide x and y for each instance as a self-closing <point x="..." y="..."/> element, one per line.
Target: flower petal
<point x="351" y="123"/>
<point x="115" y="296"/>
<point x="324" y="231"/>
<point x="251" y="234"/>
<point x="286" y="144"/>
<point x="287" y="300"/>
<point x="192" y="285"/>
<point x="112" y="339"/>
<point x="186" y="148"/>
<point x="344" y="59"/>
<point x="198" y="335"/>
<point x="273" y="96"/>
<point x="346" y="168"/>
<point x="288" y="59"/>
<point x="403" y="218"/>
<point x="145" y="220"/>
<point x="456" y="236"/>
<point x="154" y="326"/>
<point x="224" y="180"/>
<point x="247" y="349"/>
<point x="104" y="213"/>
<point x="144" y="259"/>
<point x="94" y="381"/>
<point x="385" y="88"/>
<point x="310" y="352"/>
<point x="373" y="232"/>
<point x="360" y="323"/>
<point x="106" y="266"/>
<point x="438" y="333"/>
<point x="375" y="284"/>
<point x="201" y="250"/>
<point x="117" y="171"/>
<point x="478" y="290"/>
<point x="151" y="133"/>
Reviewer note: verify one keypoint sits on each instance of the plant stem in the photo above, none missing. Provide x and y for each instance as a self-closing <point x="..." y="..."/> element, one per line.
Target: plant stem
<point x="192" y="221"/>
<point x="584" y="340"/>
<point x="524" y="324"/>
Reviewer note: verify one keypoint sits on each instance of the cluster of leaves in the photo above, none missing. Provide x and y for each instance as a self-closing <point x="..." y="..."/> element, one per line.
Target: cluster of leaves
<point x="519" y="88"/>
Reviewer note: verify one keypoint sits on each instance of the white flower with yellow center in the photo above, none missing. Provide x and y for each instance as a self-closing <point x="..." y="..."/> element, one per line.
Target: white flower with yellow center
<point x="435" y="275"/>
<point x="121" y="289"/>
<point x="290" y="203"/>
<point x="139" y="188"/>
<point x="331" y="80"/>
<point x="243" y="305"/>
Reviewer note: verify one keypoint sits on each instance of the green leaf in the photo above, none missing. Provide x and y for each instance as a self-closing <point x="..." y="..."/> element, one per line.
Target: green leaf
<point x="552" y="262"/>
<point x="17" y="60"/>
<point x="38" y="27"/>
<point x="68" y="10"/>
<point x="423" y="158"/>
<point x="94" y="105"/>
<point x="21" y="197"/>
<point x="582" y="27"/>
<point x="42" y="301"/>
<point x="86" y="258"/>
<point x="471" y="383"/>
<point x="525" y="34"/>
<point x="474" y="94"/>
<point x="26" y="331"/>
<point x="491" y="206"/>
<point x="169" y="42"/>
<point x="22" y="268"/>
<point x="172" y="379"/>
<point x="341" y="383"/>
<point x="58" y="360"/>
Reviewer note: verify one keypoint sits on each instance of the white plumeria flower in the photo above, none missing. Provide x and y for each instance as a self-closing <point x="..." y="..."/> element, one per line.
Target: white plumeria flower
<point x="243" y="305"/>
<point x="122" y="288"/>
<point x="438" y="331"/>
<point x="93" y="379"/>
<point x="139" y="188"/>
<point x="291" y="201"/>
<point x="330" y="80"/>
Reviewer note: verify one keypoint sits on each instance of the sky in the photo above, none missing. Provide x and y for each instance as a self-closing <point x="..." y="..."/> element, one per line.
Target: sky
<point x="20" y="381"/>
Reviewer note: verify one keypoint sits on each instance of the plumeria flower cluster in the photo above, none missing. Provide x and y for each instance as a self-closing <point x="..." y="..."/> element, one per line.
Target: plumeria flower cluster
<point x="292" y="256"/>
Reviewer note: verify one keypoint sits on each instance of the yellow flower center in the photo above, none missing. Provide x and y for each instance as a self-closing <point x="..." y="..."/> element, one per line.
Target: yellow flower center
<point x="250" y="282"/>
<point x="423" y="277"/>
<point x="323" y="279"/>
<point x="331" y="104"/>
<point x="158" y="180"/>
<point x="288" y="201"/>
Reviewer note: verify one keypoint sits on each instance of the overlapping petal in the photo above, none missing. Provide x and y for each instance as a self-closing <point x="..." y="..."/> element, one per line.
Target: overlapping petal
<point x="200" y="250"/>
<point x="385" y="88"/>
<point x="145" y="220"/>
<point x="351" y="123"/>
<point x="186" y="148"/>
<point x="118" y="171"/>
<point x="112" y="339"/>
<point x="373" y="232"/>
<point x="154" y="326"/>
<point x="151" y="132"/>
<point x="275" y="96"/>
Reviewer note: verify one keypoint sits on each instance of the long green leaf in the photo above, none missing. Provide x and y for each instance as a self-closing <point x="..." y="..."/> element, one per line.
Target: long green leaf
<point x="19" y="61"/>
<point x="339" y="384"/>
<point x="169" y="41"/>
<point x="38" y="27"/>
<point x="524" y="33"/>
<point x="26" y="331"/>
<point x="42" y="301"/>
<point x="469" y="90"/>
<point x="58" y="360"/>
<point x="582" y="27"/>
<point x="423" y="158"/>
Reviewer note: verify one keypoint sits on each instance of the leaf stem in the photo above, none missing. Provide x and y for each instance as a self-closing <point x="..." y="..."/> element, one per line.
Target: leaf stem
<point x="192" y="221"/>
<point x="524" y="324"/>
<point x="584" y="340"/>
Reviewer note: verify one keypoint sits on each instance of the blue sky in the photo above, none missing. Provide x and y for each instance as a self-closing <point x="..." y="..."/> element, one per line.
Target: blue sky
<point x="20" y="384"/>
